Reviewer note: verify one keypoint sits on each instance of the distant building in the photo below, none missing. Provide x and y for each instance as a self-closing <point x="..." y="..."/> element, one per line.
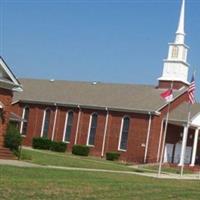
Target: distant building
<point x="116" y="117"/>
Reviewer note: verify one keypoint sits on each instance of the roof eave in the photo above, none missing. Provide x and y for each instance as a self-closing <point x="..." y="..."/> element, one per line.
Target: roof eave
<point x="137" y="111"/>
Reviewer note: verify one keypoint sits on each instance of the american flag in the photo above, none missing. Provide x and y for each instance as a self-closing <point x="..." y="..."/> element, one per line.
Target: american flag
<point x="191" y="90"/>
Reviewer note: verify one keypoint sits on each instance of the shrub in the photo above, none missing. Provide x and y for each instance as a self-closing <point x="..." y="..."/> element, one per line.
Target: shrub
<point x="112" y="156"/>
<point x="41" y="143"/>
<point x="13" y="139"/>
<point x="58" y="146"/>
<point x="81" y="150"/>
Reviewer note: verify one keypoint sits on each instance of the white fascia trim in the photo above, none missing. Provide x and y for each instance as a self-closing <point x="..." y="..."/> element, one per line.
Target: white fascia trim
<point x="127" y="110"/>
<point x="196" y="115"/>
<point x="169" y="79"/>
<point x="176" y="61"/>
<point x="14" y="102"/>
<point x="8" y="71"/>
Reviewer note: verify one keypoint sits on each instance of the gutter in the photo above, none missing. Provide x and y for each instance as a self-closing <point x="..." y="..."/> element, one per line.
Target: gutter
<point x="77" y="127"/>
<point x="105" y="133"/>
<point x="138" y="111"/>
<point x="54" y="122"/>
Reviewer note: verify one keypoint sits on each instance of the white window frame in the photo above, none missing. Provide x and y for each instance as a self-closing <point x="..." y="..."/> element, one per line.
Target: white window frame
<point x="44" y="116"/>
<point x="120" y="134"/>
<point x="65" y="126"/>
<point x="22" y="122"/>
<point x="89" y="127"/>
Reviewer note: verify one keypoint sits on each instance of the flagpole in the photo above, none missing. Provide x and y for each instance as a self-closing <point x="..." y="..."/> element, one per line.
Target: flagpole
<point x="187" y="126"/>
<point x="164" y="136"/>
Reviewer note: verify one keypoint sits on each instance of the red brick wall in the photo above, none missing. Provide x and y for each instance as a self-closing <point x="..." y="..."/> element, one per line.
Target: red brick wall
<point x="167" y="84"/>
<point x="35" y="120"/>
<point x="137" y="130"/>
<point x="6" y="99"/>
<point x="136" y="138"/>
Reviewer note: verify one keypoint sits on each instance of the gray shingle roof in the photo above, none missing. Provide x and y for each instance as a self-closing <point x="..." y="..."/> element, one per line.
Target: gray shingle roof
<point x="180" y="114"/>
<point x="130" y="97"/>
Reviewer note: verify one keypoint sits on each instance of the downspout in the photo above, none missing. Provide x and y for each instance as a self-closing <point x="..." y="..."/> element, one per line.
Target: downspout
<point x="105" y="132"/>
<point x="54" y="123"/>
<point x="77" y="127"/>
<point x="147" y="139"/>
<point x="160" y="139"/>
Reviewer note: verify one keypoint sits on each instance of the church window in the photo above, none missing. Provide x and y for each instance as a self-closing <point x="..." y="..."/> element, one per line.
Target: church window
<point x="123" y="141"/>
<point x="68" y="126"/>
<point x="46" y="123"/>
<point x="92" y="129"/>
<point x="24" y="123"/>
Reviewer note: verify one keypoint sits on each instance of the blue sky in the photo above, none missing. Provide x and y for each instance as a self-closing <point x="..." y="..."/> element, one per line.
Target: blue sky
<point x="123" y="41"/>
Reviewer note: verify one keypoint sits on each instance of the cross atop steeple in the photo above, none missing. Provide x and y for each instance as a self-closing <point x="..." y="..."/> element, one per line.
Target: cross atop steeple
<point x="180" y="33"/>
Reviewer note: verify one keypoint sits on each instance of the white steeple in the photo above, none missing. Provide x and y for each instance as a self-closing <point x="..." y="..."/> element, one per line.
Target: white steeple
<point x="180" y="33"/>
<point x="176" y="66"/>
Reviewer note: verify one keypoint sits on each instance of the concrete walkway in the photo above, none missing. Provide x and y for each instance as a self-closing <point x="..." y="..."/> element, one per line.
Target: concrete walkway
<point x="18" y="163"/>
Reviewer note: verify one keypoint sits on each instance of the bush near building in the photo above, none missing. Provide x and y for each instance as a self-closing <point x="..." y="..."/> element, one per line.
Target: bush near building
<point x="41" y="143"/>
<point x="81" y="150"/>
<point x="58" y="146"/>
<point x="47" y="144"/>
<point x="112" y="156"/>
<point x="13" y="139"/>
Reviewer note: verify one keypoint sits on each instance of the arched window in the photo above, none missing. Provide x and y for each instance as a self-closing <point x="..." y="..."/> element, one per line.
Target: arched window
<point x="68" y="126"/>
<point x="124" y="133"/>
<point x="175" y="52"/>
<point x="46" y="122"/>
<point x="92" y="129"/>
<point x="24" y="123"/>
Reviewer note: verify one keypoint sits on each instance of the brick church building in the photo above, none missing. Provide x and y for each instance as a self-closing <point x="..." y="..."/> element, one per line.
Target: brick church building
<point x="8" y="85"/>
<point x="125" y="118"/>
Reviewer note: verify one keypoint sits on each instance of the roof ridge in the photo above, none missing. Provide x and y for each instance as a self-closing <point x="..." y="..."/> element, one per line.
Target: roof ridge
<point x="87" y="82"/>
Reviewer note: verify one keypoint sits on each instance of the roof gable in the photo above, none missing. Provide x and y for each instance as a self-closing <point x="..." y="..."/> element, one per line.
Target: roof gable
<point x="7" y="78"/>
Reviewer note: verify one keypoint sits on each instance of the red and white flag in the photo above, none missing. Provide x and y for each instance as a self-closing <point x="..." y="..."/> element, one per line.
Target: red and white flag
<point x="167" y="95"/>
<point x="191" y="90"/>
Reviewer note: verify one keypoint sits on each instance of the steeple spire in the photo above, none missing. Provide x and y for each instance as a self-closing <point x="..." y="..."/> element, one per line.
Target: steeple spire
<point x="175" y="67"/>
<point x="180" y="33"/>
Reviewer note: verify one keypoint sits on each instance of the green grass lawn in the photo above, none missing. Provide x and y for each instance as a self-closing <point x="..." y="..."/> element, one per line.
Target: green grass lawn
<point x="68" y="160"/>
<point x="43" y="184"/>
<point x="166" y="169"/>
